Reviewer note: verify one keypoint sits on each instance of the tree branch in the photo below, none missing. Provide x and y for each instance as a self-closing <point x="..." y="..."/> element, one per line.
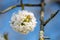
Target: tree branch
<point x="51" y="17"/>
<point x="42" y="21"/>
<point x="6" y="10"/>
<point x="12" y="7"/>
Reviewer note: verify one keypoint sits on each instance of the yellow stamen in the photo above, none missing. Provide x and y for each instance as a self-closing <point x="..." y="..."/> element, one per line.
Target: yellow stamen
<point x="27" y="19"/>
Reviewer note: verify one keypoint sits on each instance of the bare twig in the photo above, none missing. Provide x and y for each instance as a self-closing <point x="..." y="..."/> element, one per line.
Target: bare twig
<point x="6" y="10"/>
<point x="42" y="21"/>
<point x="11" y="7"/>
<point x="51" y="17"/>
<point x="20" y="5"/>
<point x="29" y="5"/>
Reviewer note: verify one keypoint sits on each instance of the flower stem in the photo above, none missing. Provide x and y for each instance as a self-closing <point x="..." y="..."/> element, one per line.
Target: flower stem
<point x="22" y="5"/>
<point x="6" y="36"/>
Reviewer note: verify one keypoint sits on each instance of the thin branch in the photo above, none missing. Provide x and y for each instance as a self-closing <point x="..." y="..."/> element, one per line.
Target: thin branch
<point x="51" y="17"/>
<point x="42" y="15"/>
<point x="29" y="5"/>
<point x="42" y="21"/>
<point x="6" y="10"/>
<point x="46" y="37"/>
<point x="12" y="7"/>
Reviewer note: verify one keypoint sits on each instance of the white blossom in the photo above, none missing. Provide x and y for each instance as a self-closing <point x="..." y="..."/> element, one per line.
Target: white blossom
<point x="1" y="37"/>
<point x="23" y="22"/>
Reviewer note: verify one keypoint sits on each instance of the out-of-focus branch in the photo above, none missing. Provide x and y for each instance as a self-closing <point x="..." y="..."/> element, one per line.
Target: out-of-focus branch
<point x="11" y="7"/>
<point x="42" y="21"/>
<point x="30" y="5"/>
<point x="42" y="14"/>
<point x="6" y="10"/>
<point x="6" y="36"/>
<point x="51" y="17"/>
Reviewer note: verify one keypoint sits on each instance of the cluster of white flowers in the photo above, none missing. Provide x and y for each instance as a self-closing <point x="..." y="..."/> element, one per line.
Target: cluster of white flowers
<point x="1" y="37"/>
<point x="23" y="22"/>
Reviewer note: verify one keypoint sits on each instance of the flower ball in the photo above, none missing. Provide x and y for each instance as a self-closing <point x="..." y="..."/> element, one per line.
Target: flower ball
<point x="23" y="21"/>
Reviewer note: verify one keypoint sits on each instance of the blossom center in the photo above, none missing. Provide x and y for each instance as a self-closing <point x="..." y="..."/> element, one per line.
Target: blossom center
<point x="27" y="19"/>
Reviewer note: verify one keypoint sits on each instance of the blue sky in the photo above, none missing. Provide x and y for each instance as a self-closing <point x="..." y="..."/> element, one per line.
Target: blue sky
<point x="52" y="29"/>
